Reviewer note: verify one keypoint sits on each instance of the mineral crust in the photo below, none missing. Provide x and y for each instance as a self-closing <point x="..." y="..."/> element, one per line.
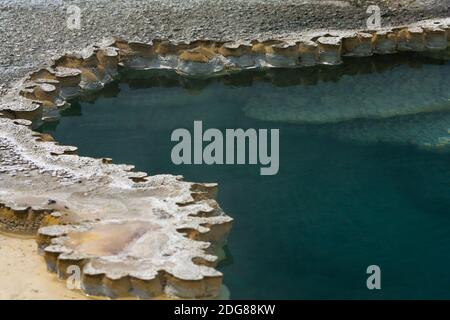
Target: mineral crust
<point x="132" y="234"/>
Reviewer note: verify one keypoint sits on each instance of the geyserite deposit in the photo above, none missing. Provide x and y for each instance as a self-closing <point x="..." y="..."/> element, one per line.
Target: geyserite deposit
<point x="133" y="234"/>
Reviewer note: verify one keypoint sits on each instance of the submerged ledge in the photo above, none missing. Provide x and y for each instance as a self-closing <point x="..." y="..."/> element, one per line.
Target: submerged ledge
<point x="133" y="234"/>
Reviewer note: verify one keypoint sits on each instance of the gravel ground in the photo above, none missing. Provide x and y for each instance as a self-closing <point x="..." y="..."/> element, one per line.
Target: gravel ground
<point x="31" y="31"/>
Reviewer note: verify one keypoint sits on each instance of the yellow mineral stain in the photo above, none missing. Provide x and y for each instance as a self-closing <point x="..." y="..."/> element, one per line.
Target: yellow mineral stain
<point x="108" y="239"/>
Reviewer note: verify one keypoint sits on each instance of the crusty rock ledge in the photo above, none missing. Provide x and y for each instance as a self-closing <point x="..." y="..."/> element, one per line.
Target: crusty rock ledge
<point x="133" y="234"/>
<point x="50" y="87"/>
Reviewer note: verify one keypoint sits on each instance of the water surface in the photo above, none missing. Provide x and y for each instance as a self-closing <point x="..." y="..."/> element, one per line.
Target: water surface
<point x="364" y="172"/>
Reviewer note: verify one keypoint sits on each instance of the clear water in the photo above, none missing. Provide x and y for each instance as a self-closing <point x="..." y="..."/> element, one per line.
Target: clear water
<point x="364" y="173"/>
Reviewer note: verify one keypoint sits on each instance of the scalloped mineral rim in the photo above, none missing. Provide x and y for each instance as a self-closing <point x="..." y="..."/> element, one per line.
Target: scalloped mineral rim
<point x="132" y="235"/>
<point x="129" y="233"/>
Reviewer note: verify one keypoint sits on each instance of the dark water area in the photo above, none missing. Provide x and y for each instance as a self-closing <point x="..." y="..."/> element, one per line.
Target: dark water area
<point x="364" y="175"/>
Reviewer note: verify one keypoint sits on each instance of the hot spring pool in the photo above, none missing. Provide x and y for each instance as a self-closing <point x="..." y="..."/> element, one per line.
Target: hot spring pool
<point x="364" y="174"/>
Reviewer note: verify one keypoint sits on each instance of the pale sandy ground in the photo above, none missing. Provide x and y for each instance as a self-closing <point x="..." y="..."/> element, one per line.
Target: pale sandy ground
<point x="23" y="274"/>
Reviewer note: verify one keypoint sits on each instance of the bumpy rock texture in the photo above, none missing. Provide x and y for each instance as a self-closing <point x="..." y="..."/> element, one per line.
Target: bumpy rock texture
<point x="31" y="31"/>
<point x="130" y="234"/>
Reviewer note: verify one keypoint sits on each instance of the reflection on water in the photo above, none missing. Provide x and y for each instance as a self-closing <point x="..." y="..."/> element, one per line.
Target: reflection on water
<point x="336" y="206"/>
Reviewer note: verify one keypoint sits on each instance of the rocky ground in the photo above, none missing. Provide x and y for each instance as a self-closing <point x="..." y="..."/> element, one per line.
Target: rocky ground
<point x="33" y="30"/>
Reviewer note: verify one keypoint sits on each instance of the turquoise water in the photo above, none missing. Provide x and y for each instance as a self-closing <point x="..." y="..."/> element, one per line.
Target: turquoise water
<point x="364" y="170"/>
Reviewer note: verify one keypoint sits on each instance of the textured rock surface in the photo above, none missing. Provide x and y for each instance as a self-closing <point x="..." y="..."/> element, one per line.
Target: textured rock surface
<point x="31" y="33"/>
<point x="130" y="234"/>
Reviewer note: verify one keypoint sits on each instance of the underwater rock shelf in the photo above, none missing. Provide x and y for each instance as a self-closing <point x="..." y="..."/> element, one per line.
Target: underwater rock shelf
<point x="129" y="233"/>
